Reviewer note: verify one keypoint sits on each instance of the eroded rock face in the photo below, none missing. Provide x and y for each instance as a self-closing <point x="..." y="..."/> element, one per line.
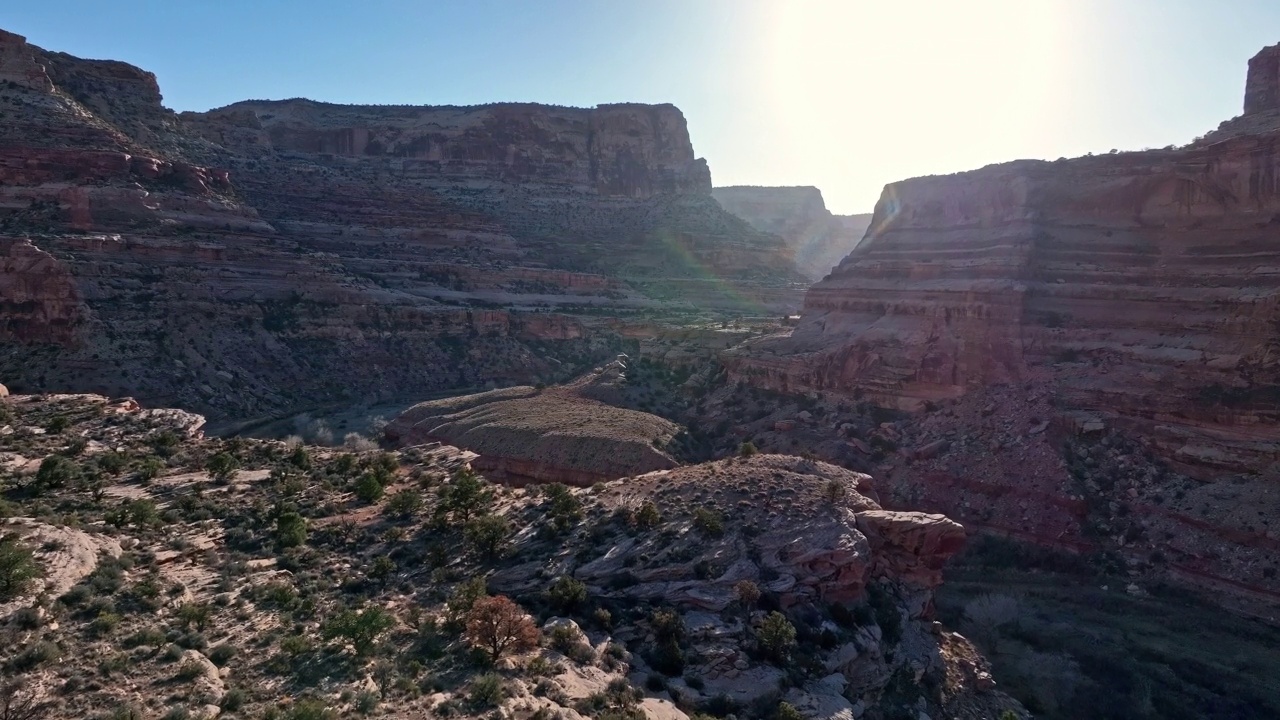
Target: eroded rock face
<point x="39" y="301"/>
<point x="627" y="150"/>
<point x="1080" y="344"/>
<point x="809" y="536"/>
<point x="18" y="63"/>
<point x="802" y="529"/>
<point x="1262" y="87"/>
<point x="819" y="239"/>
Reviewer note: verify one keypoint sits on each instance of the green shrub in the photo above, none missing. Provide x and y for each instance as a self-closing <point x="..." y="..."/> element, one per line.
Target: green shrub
<point x="563" y="508"/>
<point x="190" y="669"/>
<point x="232" y="700"/>
<point x="222" y="467"/>
<point x="382" y="568"/>
<point x="150" y="468"/>
<point x="464" y="597"/>
<point x="369" y="489"/>
<point x="127" y="712"/>
<point x="291" y="529"/>
<point x="105" y="624"/>
<point x="299" y="458"/>
<point x="110" y="462"/>
<point x="146" y="637"/>
<point x="464" y="497"/>
<point x="567" y="594"/>
<point x="708" y="521"/>
<point x="221" y="654"/>
<point x="647" y="517"/>
<point x="344" y="464"/>
<point x="55" y="472"/>
<point x="787" y="711"/>
<point x="488" y="535"/>
<point x="487" y="691"/>
<point x="18" y="568"/>
<point x="308" y="709"/>
<point x="404" y="504"/>
<point x="197" y="614"/>
<point x="360" y="628"/>
<point x="36" y="654"/>
<point x="366" y="702"/>
<point x="776" y="637"/>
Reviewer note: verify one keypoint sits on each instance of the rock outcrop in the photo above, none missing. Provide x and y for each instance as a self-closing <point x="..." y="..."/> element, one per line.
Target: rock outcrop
<point x="1262" y="86"/>
<point x="808" y="536"/>
<point x="523" y="434"/>
<point x="18" y="64"/>
<point x="276" y="256"/>
<point x="819" y="239"/>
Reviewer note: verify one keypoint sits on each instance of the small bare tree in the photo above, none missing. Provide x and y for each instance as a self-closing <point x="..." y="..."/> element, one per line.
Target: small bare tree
<point x="497" y="624"/>
<point x="986" y="616"/>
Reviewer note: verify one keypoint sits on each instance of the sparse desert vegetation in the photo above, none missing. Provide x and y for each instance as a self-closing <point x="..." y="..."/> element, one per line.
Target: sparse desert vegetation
<point x="153" y="573"/>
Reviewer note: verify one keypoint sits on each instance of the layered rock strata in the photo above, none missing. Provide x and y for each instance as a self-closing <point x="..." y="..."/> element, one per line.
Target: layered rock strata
<point x="269" y="257"/>
<point x="1132" y="295"/>
<point x="524" y="434"/>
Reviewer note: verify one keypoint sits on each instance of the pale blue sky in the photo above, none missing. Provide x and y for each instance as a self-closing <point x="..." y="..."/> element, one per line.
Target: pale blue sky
<point x="843" y="94"/>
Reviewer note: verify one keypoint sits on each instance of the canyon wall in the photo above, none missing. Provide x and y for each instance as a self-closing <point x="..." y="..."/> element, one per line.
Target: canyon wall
<point x="627" y="150"/>
<point x="1088" y="350"/>
<point x="1137" y="284"/>
<point x="818" y="238"/>
<point x="275" y="256"/>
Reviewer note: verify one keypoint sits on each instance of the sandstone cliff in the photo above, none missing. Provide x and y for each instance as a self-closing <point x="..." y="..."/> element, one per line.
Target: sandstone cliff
<point x="1103" y="300"/>
<point x="819" y="239"/>
<point x="286" y="255"/>
<point x="627" y="149"/>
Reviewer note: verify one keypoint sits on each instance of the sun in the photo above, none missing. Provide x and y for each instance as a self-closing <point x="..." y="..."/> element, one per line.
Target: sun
<point x="909" y="87"/>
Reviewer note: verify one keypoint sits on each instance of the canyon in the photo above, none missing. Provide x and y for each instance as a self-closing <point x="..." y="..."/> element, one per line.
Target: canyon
<point x="272" y="257"/>
<point x="1079" y="360"/>
<point x="1086" y="349"/>
<point x="819" y="239"/>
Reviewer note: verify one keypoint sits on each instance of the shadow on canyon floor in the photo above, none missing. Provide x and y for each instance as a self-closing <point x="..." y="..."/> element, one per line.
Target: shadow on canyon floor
<point x="1073" y="643"/>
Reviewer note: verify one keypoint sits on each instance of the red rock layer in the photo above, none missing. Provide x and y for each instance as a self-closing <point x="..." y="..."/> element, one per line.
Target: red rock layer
<point x="627" y="149"/>
<point x="286" y="255"/>
<point x="1145" y="282"/>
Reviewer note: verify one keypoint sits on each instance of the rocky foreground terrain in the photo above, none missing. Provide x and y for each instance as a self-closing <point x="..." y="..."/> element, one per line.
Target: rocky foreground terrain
<point x="819" y="239"/>
<point x="274" y="257"/>
<point x="1077" y="360"/>
<point x="150" y="572"/>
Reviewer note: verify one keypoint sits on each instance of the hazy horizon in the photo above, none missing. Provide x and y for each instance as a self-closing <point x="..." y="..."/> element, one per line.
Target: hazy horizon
<point x="843" y="96"/>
